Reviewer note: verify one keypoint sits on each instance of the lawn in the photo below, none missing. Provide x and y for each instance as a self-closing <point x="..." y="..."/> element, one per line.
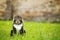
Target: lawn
<point x="34" y="31"/>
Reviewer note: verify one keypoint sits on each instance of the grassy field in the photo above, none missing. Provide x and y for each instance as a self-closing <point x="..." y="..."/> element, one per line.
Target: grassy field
<point x="34" y="31"/>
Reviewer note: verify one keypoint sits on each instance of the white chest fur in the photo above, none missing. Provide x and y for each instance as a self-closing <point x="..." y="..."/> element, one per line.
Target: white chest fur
<point x="18" y="27"/>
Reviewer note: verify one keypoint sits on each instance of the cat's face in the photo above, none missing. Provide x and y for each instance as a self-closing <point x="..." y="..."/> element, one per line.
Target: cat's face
<point x="17" y="20"/>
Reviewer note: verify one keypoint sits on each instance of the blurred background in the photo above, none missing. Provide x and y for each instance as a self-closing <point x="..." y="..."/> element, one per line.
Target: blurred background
<point x="31" y="10"/>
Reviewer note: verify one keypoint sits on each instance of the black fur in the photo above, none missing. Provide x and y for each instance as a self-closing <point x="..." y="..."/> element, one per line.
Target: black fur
<point x="14" y="31"/>
<point x="22" y="31"/>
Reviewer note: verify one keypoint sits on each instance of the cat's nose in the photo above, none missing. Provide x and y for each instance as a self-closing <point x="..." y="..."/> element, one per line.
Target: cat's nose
<point x="17" y="21"/>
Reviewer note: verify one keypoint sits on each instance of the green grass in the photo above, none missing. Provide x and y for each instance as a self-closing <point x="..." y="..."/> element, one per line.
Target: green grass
<point x="34" y="31"/>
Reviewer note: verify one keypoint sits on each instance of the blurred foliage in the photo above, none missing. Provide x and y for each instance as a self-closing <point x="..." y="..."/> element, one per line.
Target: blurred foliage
<point x="34" y="31"/>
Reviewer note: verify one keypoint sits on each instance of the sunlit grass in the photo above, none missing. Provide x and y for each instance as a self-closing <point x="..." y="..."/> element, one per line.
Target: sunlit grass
<point x="34" y="31"/>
